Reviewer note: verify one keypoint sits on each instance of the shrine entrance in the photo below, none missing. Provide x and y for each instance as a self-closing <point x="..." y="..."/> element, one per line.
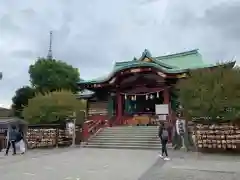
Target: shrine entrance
<point x="142" y="103"/>
<point x="138" y="94"/>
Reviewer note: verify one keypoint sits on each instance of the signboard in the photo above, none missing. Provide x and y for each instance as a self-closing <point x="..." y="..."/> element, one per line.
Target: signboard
<point x="162" y="117"/>
<point x="70" y="128"/>
<point x="161" y="109"/>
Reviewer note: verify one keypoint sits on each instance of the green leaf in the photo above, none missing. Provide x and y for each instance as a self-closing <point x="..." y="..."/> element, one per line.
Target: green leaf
<point x="209" y="92"/>
<point x="20" y="99"/>
<point x="52" y="75"/>
<point x="52" y="107"/>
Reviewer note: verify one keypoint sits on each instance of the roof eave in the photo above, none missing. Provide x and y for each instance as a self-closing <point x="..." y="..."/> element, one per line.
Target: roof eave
<point x="152" y="65"/>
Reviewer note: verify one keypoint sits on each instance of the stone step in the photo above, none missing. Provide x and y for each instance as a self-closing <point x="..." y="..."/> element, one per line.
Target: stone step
<point x="133" y="128"/>
<point x="123" y="147"/>
<point x="129" y="133"/>
<point x="127" y="141"/>
<point x="116" y="138"/>
<point x="126" y="135"/>
<point x="122" y="127"/>
<point x="128" y="146"/>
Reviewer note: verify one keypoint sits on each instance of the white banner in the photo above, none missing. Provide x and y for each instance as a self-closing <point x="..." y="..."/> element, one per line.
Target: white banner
<point x="161" y="109"/>
<point x="70" y="128"/>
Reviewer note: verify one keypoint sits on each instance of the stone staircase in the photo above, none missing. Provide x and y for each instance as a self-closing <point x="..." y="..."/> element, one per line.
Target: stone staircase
<point x="126" y="137"/>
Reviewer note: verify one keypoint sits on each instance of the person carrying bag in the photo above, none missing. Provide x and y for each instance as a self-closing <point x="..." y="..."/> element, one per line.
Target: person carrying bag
<point x="164" y="136"/>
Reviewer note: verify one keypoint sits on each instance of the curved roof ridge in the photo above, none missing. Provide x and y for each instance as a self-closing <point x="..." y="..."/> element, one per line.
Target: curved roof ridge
<point x="122" y="63"/>
<point x="194" y="51"/>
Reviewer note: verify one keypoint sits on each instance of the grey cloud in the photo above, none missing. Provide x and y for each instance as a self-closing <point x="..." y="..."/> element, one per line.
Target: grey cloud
<point x="92" y="35"/>
<point x="225" y="18"/>
<point x="22" y="54"/>
<point x="7" y="25"/>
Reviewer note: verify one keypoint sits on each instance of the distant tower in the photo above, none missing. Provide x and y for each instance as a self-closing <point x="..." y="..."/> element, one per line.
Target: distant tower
<point x="49" y="55"/>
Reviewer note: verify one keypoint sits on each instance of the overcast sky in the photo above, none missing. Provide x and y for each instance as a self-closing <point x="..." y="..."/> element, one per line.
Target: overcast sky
<point x="93" y="34"/>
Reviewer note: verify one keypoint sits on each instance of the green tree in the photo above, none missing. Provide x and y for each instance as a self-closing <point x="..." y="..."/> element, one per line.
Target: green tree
<point x="50" y="75"/>
<point x="211" y="93"/>
<point x="52" y="107"/>
<point x="20" y="99"/>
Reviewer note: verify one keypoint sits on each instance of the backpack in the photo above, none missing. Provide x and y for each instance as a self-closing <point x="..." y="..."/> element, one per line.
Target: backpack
<point x="165" y="134"/>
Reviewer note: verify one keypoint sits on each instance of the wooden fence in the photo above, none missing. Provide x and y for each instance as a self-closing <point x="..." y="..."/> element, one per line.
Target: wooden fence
<point x="46" y="136"/>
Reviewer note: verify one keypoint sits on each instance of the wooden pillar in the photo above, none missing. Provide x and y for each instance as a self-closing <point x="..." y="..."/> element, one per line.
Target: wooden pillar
<point x="119" y="107"/>
<point x="166" y="99"/>
<point x="85" y="133"/>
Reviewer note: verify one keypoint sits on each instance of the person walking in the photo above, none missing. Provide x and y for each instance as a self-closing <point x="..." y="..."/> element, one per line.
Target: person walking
<point x="164" y="135"/>
<point x="12" y="136"/>
<point x="160" y="129"/>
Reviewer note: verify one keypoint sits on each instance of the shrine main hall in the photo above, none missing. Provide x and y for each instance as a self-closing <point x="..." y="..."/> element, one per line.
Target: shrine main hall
<point x="132" y="91"/>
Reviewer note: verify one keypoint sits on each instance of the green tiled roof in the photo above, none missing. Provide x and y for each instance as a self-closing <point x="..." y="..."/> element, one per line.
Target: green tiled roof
<point x="185" y="60"/>
<point x="171" y="64"/>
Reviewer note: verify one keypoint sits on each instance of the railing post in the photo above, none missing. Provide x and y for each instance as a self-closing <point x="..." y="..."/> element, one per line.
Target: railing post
<point x="85" y="132"/>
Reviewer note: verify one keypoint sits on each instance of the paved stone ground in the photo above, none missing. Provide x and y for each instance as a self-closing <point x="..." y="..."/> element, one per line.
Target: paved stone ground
<point x="107" y="164"/>
<point x="87" y="164"/>
<point x="36" y="153"/>
<point x="193" y="166"/>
